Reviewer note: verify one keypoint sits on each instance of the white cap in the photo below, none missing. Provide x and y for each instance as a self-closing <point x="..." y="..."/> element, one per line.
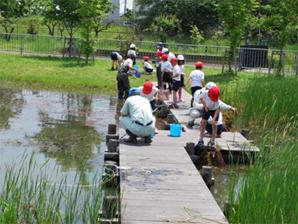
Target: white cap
<point x="180" y="57"/>
<point x="209" y="85"/>
<point x="165" y="50"/>
<point x="132" y="46"/>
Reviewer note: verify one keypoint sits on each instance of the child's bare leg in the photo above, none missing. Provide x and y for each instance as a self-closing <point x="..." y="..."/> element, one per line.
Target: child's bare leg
<point x="214" y="131"/>
<point x="202" y="129"/>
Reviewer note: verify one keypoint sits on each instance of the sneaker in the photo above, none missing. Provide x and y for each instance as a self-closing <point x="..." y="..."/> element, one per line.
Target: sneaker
<point x="147" y="140"/>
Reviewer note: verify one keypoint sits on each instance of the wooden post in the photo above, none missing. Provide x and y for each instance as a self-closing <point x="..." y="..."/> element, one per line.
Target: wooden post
<point x="111" y="156"/>
<point x="207" y="175"/>
<point x="112" y="129"/>
<point x="112" y="145"/>
<point x="190" y="148"/>
<point x="111" y="136"/>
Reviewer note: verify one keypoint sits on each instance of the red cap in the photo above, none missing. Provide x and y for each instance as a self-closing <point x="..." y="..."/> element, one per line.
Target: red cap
<point x="213" y="93"/>
<point x="164" y="57"/>
<point x="147" y="87"/>
<point x="174" y="60"/>
<point x="146" y="58"/>
<point x="158" y="53"/>
<point x="199" y="64"/>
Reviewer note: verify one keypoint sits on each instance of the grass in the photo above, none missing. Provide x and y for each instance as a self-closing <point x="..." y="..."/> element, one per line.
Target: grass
<point x="27" y="197"/>
<point x="63" y="75"/>
<point x="268" y="192"/>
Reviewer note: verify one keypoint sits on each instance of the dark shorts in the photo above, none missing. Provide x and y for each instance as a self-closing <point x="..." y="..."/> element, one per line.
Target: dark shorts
<point x="182" y="81"/>
<point x="209" y="113"/>
<point x="114" y="56"/>
<point x="220" y="129"/>
<point x="194" y="89"/>
<point x="148" y="70"/>
<point x="176" y="85"/>
<point x="167" y="77"/>
<point x="153" y="104"/>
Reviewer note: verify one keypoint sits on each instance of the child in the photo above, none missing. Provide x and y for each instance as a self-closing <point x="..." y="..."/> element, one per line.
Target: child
<point x="180" y="61"/>
<point x="197" y="79"/>
<point x="210" y="101"/>
<point x="131" y="53"/>
<point x="176" y="81"/>
<point x="149" y="91"/>
<point x="147" y="66"/>
<point x="158" y="55"/>
<point x="116" y="60"/>
<point x="166" y="69"/>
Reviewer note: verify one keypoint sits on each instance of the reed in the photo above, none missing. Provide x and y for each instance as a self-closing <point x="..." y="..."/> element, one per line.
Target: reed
<point x="27" y="197"/>
<point x="268" y="192"/>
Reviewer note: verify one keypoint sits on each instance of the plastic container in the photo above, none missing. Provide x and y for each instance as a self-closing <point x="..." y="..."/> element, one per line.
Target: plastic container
<point x="137" y="75"/>
<point x="175" y="130"/>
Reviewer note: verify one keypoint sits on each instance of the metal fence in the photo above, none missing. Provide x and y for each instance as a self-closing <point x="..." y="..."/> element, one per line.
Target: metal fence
<point x="263" y="59"/>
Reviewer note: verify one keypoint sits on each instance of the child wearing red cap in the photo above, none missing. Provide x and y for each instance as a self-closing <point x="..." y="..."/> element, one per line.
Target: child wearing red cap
<point x="197" y="79"/>
<point x="210" y="101"/>
<point x="167" y="71"/>
<point x="149" y="91"/>
<point x="147" y="66"/>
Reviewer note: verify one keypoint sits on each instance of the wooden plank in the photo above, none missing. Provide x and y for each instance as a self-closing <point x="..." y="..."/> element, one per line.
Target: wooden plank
<point x="159" y="184"/>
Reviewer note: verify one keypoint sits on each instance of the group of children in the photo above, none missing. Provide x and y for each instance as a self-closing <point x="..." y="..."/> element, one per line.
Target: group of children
<point x="170" y="76"/>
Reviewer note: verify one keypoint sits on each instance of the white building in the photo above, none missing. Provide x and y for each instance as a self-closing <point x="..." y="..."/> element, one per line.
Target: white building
<point x="118" y="9"/>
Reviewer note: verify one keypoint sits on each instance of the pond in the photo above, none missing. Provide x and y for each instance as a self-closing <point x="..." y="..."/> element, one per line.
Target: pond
<point x="64" y="130"/>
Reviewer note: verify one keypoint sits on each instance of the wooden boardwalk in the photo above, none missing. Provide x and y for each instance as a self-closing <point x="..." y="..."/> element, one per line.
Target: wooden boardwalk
<point x="160" y="184"/>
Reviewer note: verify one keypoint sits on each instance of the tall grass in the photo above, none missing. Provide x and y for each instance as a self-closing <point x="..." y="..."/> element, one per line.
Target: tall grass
<point x="264" y="103"/>
<point x="27" y="197"/>
<point x="268" y="192"/>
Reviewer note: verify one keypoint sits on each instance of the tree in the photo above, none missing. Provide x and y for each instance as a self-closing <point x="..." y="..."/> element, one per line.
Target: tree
<point x="91" y="12"/>
<point x="50" y="13"/>
<point x="104" y="9"/>
<point x="10" y="11"/>
<point x="280" y="24"/>
<point x="165" y="25"/>
<point x="235" y="16"/>
<point x="67" y="11"/>
<point x="196" y="35"/>
<point x="190" y="12"/>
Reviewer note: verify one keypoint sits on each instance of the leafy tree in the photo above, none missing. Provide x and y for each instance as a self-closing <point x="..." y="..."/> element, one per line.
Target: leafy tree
<point x="91" y="12"/>
<point x="235" y="16"/>
<point x="190" y="12"/>
<point x="280" y="23"/>
<point x="67" y="11"/>
<point x="50" y="14"/>
<point x="10" y="11"/>
<point x="196" y="35"/>
<point x="165" y="25"/>
<point x="104" y="9"/>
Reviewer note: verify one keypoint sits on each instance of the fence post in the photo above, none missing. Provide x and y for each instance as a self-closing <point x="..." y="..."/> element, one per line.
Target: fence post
<point x="22" y="45"/>
<point x="270" y="63"/>
<point x="235" y="61"/>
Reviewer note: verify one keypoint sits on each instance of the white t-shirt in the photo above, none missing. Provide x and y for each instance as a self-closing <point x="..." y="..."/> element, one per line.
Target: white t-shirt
<point x="147" y="65"/>
<point x="177" y="73"/>
<point x="196" y="78"/>
<point x="219" y="122"/>
<point x="138" y="109"/>
<point x="128" y="62"/>
<point x="166" y="66"/>
<point x="171" y="56"/>
<point x="211" y="105"/>
<point x="181" y="68"/>
<point x="119" y="57"/>
<point x="131" y="52"/>
<point x="150" y="96"/>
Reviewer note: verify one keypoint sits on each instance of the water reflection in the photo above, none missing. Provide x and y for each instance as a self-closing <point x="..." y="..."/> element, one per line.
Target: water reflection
<point x="11" y="102"/>
<point x="65" y="128"/>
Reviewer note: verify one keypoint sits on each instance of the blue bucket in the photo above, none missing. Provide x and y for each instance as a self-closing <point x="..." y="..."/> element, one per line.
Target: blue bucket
<point x="175" y="130"/>
<point x="137" y="75"/>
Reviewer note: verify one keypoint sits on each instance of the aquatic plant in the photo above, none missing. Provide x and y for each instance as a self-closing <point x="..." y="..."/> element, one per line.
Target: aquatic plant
<point x="29" y="197"/>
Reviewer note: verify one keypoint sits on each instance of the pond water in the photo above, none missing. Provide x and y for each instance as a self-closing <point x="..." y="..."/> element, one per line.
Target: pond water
<point x="65" y="130"/>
